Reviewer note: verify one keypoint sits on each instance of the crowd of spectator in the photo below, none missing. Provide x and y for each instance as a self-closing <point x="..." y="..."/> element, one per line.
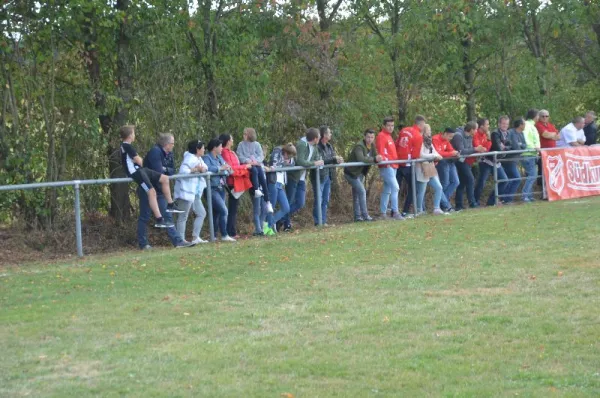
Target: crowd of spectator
<point x="445" y="165"/>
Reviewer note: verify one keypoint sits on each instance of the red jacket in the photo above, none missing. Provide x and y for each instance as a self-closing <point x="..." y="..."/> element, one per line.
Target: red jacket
<point x="386" y="148"/>
<point x="240" y="179"/>
<point x="409" y="143"/>
<point x="442" y="146"/>
<point x="546" y="127"/>
<point x="480" y="138"/>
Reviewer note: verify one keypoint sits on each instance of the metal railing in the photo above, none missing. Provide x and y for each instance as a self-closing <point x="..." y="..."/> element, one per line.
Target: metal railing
<point x="77" y="184"/>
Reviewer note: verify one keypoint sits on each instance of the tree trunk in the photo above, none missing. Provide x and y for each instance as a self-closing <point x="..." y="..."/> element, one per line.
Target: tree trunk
<point x="469" y="80"/>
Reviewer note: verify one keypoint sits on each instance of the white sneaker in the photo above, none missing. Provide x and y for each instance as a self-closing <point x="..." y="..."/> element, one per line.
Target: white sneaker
<point x="199" y="240"/>
<point x="258" y="193"/>
<point x="227" y="238"/>
<point x="269" y="207"/>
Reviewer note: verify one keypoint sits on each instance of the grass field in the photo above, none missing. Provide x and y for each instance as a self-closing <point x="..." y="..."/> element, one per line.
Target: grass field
<point x="488" y="302"/>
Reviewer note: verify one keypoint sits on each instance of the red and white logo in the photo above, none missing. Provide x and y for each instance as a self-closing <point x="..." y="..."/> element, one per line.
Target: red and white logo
<point x="556" y="181"/>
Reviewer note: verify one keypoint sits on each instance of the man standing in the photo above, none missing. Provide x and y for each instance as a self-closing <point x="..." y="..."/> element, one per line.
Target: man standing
<point x="327" y="153"/>
<point x="307" y="156"/>
<point x="516" y="142"/>
<point x="590" y="129"/>
<point x="384" y="144"/>
<point x="446" y="167"/>
<point x="159" y="159"/>
<point x="463" y="143"/>
<point x="532" y="139"/>
<point x="408" y="146"/>
<point x="500" y="143"/>
<point x="572" y="135"/>
<point x="548" y="137"/>
<point x="486" y="163"/>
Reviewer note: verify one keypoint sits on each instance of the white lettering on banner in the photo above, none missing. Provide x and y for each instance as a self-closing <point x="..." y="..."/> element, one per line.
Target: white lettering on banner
<point x="582" y="174"/>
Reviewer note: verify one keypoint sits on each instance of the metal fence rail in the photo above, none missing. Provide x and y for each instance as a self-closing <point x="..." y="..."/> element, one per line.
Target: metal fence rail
<point x="77" y="184"/>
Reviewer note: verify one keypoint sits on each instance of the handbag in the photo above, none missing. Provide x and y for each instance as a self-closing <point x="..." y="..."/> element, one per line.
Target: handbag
<point x="429" y="170"/>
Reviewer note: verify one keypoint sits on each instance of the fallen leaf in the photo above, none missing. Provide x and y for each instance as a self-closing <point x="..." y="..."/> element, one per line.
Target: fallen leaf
<point x="186" y="314"/>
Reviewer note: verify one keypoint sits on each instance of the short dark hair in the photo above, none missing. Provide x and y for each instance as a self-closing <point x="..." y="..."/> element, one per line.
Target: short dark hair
<point x="213" y="143"/>
<point x="449" y="130"/>
<point x="387" y="120"/>
<point x="481" y="121"/>
<point x="532" y="113"/>
<point x="225" y="138"/>
<point x="194" y="145"/>
<point x="126" y="131"/>
<point x="470" y="126"/>
<point x="368" y="131"/>
<point x="518" y="122"/>
<point x="420" y="118"/>
<point x="323" y="130"/>
<point x="311" y="134"/>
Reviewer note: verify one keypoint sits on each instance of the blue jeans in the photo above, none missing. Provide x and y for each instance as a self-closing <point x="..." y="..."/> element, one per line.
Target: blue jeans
<point x="146" y="212"/>
<point x="448" y="178"/>
<point x="390" y="189"/>
<point x="259" y="208"/>
<point x="259" y="180"/>
<point x="219" y="211"/>
<point x="296" y="194"/>
<point x="278" y="196"/>
<point x="467" y="182"/>
<point x="510" y="188"/>
<point x="438" y="193"/>
<point x="325" y="193"/>
<point x="359" y="196"/>
<point x="405" y="173"/>
<point x="529" y="165"/>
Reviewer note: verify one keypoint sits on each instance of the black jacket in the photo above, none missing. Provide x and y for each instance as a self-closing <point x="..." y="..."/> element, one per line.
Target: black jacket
<point x="591" y="133"/>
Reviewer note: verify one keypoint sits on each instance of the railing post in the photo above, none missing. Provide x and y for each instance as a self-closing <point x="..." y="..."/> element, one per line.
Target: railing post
<point x="544" y="194"/>
<point x="211" y="224"/>
<point x="318" y="195"/>
<point x="78" y="221"/>
<point x="495" y="179"/>
<point x="413" y="178"/>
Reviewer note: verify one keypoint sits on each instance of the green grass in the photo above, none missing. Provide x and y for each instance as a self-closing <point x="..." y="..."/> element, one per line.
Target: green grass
<point x="489" y="302"/>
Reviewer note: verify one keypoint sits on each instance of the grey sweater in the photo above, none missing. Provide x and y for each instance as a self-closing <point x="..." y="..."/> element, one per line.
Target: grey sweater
<point x="248" y="151"/>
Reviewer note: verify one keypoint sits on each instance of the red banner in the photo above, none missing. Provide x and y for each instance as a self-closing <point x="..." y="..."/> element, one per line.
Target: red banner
<point x="571" y="172"/>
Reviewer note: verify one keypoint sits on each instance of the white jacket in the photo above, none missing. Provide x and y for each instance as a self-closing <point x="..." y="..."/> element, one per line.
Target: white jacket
<point x="187" y="188"/>
<point x="425" y="155"/>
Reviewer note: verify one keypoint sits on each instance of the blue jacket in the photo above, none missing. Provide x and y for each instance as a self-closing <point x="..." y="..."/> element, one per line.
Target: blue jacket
<point x="213" y="165"/>
<point x="160" y="161"/>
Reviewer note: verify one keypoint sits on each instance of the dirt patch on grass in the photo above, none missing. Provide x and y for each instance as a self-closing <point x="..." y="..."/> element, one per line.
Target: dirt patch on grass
<point x="479" y="291"/>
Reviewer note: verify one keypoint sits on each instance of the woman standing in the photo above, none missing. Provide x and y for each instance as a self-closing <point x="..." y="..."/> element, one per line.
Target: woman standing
<point x="188" y="191"/>
<point x="426" y="173"/>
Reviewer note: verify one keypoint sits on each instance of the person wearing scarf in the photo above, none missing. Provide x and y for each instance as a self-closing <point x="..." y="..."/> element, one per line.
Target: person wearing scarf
<point x="426" y="173"/>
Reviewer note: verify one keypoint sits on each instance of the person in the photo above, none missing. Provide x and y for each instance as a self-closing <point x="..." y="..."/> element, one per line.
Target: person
<point x="386" y="148"/>
<point x="517" y="143"/>
<point x="463" y="143"/>
<point x="548" y="137"/>
<point x="237" y="182"/>
<point x="426" y="173"/>
<point x="572" y="135"/>
<point x="327" y="153"/>
<point x="281" y="156"/>
<point x="529" y="161"/>
<point x="188" y="191"/>
<point x="249" y="151"/>
<point x="365" y="152"/>
<point x="590" y="130"/>
<point x="486" y="163"/>
<point x="408" y="146"/>
<point x="446" y="167"/>
<point x="215" y="164"/>
<point x="501" y="143"/>
<point x="307" y="156"/>
<point x="147" y="180"/>
<point x="160" y="159"/>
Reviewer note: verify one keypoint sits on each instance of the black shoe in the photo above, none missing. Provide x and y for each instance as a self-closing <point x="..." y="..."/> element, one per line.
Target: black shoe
<point x="162" y="223"/>
<point x="173" y="208"/>
<point x="287" y="228"/>
<point x="258" y="234"/>
<point x="359" y="219"/>
<point x="279" y="226"/>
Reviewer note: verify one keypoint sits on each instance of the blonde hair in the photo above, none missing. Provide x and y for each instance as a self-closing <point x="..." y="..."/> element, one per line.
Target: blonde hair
<point x="426" y="129"/>
<point x="289" y="148"/>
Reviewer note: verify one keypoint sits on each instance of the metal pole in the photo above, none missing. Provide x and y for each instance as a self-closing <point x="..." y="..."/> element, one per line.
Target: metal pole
<point x="544" y="193"/>
<point x="318" y="196"/>
<point x="211" y="224"/>
<point x="78" y="221"/>
<point x="495" y="179"/>
<point x="413" y="178"/>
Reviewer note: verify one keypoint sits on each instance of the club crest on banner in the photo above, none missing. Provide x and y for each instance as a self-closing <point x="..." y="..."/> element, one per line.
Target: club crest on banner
<point x="556" y="180"/>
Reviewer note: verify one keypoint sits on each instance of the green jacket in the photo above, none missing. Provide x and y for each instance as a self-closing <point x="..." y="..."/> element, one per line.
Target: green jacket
<point x="303" y="159"/>
<point x="532" y="137"/>
<point x="360" y="153"/>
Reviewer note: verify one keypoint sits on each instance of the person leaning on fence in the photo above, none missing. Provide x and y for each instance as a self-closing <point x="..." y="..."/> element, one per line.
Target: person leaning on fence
<point x="326" y="175"/>
<point x="590" y="129"/>
<point x="463" y="143"/>
<point x="408" y="146"/>
<point x="572" y="135"/>
<point x="215" y="164"/>
<point x="387" y="150"/>
<point x="160" y="159"/>
<point x="426" y="173"/>
<point x="365" y="152"/>
<point x="486" y="163"/>
<point x="147" y="179"/>
<point x="510" y="165"/>
<point x="446" y="167"/>
<point x="529" y="162"/>
<point x="188" y="191"/>
<point x="501" y="143"/>
<point x="281" y="156"/>
<point x="249" y="151"/>
<point x="307" y="156"/>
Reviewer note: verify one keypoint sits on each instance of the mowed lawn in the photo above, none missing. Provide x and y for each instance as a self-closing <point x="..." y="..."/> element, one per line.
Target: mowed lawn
<point x="487" y="302"/>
